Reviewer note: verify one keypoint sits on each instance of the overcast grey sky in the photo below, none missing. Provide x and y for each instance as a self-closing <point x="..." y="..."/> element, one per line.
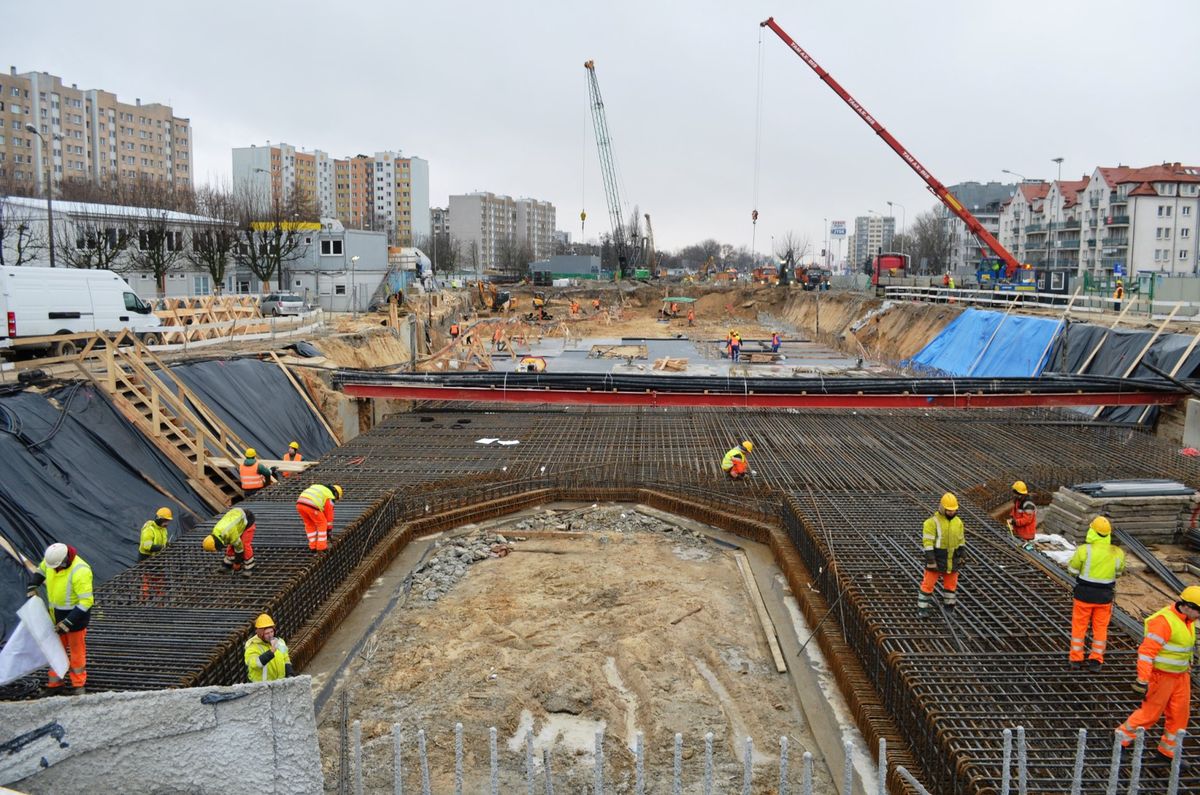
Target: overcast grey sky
<point x="494" y="95"/>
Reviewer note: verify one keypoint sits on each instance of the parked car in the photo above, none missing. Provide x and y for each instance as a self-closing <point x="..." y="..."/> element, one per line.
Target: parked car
<point x="37" y="302"/>
<point x="282" y="304"/>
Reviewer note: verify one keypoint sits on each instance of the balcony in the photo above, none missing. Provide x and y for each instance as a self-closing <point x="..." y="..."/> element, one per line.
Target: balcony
<point x="1117" y="220"/>
<point x="1070" y="244"/>
<point x="1073" y="224"/>
<point x="1091" y="241"/>
<point x="1115" y="242"/>
<point x="1092" y="222"/>
<point x="1115" y="199"/>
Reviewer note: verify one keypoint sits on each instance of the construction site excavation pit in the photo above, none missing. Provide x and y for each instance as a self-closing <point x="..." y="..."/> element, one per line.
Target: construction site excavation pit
<point x="559" y="622"/>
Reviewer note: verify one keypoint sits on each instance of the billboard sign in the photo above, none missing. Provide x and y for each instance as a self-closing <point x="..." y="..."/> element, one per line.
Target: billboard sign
<point x="837" y="228"/>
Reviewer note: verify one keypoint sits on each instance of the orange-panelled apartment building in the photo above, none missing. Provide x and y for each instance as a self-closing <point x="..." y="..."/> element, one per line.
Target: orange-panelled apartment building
<point x="92" y="135"/>
<point x="384" y="192"/>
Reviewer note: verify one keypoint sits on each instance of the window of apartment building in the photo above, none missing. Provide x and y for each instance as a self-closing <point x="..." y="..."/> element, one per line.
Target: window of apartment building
<point x="1185" y="232"/>
<point x="16" y="92"/>
<point x="1183" y="253"/>
<point x="201" y="285"/>
<point x="1185" y="210"/>
<point x="1158" y="255"/>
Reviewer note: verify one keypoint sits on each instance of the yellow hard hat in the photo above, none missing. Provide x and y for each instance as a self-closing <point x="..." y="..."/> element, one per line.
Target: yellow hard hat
<point x="209" y="544"/>
<point x="1102" y="526"/>
<point x="1191" y="594"/>
<point x="1020" y="488"/>
<point x="165" y="513"/>
<point x="337" y="491"/>
<point x="949" y="502"/>
<point x="294" y="445"/>
<point x="748" y="446"/>
<point x="263" y="621"/>
<point x="251" y="452"/>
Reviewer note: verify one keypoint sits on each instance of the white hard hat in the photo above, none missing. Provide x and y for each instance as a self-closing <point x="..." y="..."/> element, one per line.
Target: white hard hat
<point x="55" y="555"/>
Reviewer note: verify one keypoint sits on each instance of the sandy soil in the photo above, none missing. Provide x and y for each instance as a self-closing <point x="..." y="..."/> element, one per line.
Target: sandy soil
<point x="605" y="633"/>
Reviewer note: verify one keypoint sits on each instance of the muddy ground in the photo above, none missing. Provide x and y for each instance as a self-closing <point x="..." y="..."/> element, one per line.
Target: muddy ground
<point x="627" y="626"/>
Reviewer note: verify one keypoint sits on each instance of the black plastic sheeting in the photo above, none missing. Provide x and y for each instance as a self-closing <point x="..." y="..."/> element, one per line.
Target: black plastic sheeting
<point x="1119" y="350"/>
<point x="258" y="403"/>
<point x="79" y="473"/>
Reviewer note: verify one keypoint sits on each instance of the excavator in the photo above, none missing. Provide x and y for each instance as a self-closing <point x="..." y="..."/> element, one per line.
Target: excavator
<point x="492" y="299"/>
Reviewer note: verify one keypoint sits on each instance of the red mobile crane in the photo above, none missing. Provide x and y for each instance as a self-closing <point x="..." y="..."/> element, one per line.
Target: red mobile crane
<point x="935" y="187"/>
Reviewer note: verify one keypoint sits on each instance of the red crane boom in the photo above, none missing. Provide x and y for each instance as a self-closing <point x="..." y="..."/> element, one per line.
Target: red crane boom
<point x="935" y="186"/>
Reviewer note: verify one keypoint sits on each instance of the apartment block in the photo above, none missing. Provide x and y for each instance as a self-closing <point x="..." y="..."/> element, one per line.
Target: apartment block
<point x="1142" y="220"/>
<point x="872" y="234"/>
<point x="485" y="223"/>
<point x="385" y="192"/>
<point x="92" y="135"/>
<point x="984" y="200"/>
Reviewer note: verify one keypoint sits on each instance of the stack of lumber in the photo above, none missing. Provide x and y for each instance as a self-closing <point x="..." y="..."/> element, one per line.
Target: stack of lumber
<point x="1153" y="518"/>
<point x="667" y="363"/>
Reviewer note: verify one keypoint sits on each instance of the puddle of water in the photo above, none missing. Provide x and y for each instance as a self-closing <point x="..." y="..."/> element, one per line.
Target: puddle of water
<point x="691" y="553"/>
<point x="560" y="733"/>
<point x="631" y="703"/>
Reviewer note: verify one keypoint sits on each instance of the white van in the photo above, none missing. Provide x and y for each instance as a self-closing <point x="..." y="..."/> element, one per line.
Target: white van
<point x="37" y="302"/>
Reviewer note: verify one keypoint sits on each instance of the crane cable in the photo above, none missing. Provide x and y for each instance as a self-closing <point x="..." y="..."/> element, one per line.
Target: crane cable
<point x="757" y="143"/>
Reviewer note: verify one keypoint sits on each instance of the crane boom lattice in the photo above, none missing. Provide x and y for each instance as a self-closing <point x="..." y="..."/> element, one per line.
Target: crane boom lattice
<point x="608" y="170"/>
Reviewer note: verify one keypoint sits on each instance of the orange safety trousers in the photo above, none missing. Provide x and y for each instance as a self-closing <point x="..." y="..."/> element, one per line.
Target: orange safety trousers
<point x="1170" y="693"/>
<point x="1098" y="616"/>
<point x="316" y="526"/>
<point x="949" y="581"/>
<point x="738" y="469"/>
<point x="76" y="648"/>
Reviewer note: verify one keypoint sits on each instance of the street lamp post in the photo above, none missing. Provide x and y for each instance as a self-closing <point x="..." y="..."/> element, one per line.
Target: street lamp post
<point x="353" y="288"/>
<point x="903" y="218"/>
<point x="1057" y="209"/>
<point x="49" y="184"/>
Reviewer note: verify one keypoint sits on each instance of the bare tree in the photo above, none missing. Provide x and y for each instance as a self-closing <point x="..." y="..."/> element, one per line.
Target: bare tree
<point x="443" y="250"/>
<point x="213" y="240"/>
<point x="792" y="245"/>
<point x="270" y="234"/>
<point x="158" y="248"/>
<point x="473" y="256"/>
<point x="929" y="243"/>
<point x="22" y="236"/>
<point x="95" y="240"/>
<point x="513" y="257"/>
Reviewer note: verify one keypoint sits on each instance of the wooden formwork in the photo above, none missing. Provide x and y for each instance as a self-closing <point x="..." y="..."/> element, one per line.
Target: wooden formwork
<point x="206" y="317"/>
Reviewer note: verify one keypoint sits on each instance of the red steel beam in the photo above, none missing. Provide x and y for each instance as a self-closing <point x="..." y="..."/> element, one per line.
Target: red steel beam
<point x="764" y="400"/>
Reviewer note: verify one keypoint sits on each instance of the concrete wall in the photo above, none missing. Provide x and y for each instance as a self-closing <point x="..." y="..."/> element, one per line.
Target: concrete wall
<point x="264" y="741"/>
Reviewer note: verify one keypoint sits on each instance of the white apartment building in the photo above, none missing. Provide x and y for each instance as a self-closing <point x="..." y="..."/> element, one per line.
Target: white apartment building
<point x="1142" y="219"/>
<point x="872" y="234"/>
<point x="484" y="223"/>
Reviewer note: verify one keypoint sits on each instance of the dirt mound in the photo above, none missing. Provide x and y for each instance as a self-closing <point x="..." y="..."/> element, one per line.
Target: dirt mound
<point x="365" y="349"/>
<point x="860" y="324"/>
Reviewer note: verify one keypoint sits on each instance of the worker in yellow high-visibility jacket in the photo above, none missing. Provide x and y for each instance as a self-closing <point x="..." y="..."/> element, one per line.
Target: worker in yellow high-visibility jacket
<point x="943" y="541"/>
<point x="68" y="581"/>
<point x="1096" y="565"/>
<point x="266" y="654"/>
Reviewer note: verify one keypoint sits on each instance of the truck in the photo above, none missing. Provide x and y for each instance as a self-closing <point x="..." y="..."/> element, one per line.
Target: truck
<point x="888" y="268"/>
<point x="41" y="302"/>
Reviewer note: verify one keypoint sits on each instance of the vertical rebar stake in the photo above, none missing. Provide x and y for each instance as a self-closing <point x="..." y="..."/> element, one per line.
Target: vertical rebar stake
<point x="598" y="783"/>
<point x="1114" y="766"/>
<point x="1006" y="772"/>
<point x="529" y="761"/>
<point x="747" y="766"/>
<point x="1173" y="783"/>
<point x="639" y="753"/>
<point x="356" y="750"/>
<point x="708" y="763"/>
<point x="1022" y="759"/>
<point x="783" y="766"/>
<point x="549" y="771"/>
<point x="424" y="762"/>
<point x="677" y="787"/>
<point x="458" y="759"/>
<point x="344" y="749"/>
<point x="397" y="767"/>
<point x="807" y="780"/>
<point x="1077" y="775"/>
<point x="1135" y="764"/>
<point x="848" y="767"/>
<point x="495" y="757"/>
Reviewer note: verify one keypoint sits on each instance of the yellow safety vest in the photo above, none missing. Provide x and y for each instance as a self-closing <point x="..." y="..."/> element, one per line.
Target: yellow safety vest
<point x="153" y="535"/>
<point x="229" y="530"/>
<point x="1176" y="654"/>
<point x="69" y="588"/>
<point x="275" y="669"/>
<point x="316" y="495"/>
<point x="947" y="535"/>
<point x="1097" y="561"/>
<point x="727" y="461"/>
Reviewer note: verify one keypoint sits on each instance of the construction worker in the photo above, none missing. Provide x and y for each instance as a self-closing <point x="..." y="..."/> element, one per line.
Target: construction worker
<point x="1163" y="672"/>
<point x="943" y="540"/>
<point x="734" y="463"/>
<point x="455" y="330"/>
<point x="255" y="476"/>
<point x="1096" y="565"/>
<point x="1022" y="517"/>
<point x="946" y="279"/>
<point x="776" y="341"/>
<point x="691" y="315"/>
<point x="735" y="346"/>
<point x="68" y="581"/>
<point x="293" y="454"/>
<point x="315" y="506"/>
<point x="1118" y="295"/>
<point x="266" y="655"/>
<point x="574" y="307"/>
<point x="154" y="533"/>
<point x="674" y="309"/>
<point x="235" y="533"/>
<point x="497" y="338"/>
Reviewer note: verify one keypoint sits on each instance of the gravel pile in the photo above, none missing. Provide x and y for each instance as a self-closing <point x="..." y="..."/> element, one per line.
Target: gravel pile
<point x="449" y="563"/>
<point x="607" y="519"/>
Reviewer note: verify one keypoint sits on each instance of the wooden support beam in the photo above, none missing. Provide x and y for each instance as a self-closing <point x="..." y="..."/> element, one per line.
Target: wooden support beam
<point x="1083" y="367"/>
<point x="308" y="400"/>
<point x="1138" y="359"/>
<point x="764" y="619"/>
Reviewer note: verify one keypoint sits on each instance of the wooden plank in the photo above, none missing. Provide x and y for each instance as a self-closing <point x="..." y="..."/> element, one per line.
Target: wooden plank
<point x="1138" y="359"/>
<point x="1083" y="367"/>
<point x="760" y="608"/>
<point x="272" y="463"/>
<point x="304" y="394"/>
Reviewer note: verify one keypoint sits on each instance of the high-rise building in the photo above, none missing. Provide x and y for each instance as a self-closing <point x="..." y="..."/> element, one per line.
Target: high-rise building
<point x="439" y="219"/>
<point x="385" y="192"/>
<point x="485" y="223"/>
<point x="872" y="234"/>
<point x="93" y="136"/>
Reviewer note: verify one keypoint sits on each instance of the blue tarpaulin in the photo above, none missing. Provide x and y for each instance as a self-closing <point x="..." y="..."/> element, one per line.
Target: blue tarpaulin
<point x="983" y="343"/>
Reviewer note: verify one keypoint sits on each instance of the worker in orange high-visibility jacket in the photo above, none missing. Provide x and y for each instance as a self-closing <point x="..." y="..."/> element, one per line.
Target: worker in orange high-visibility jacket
<point x="293" y="454"/>
<point x="1022" y="517"/>
<point x="1163" y="672"/>
<point x="68" y="580"/>
<point x="315" y="506"/>
<point x="1096" y="565"/>
<point x="944" y="543"/>
<point x="255" y="476"/>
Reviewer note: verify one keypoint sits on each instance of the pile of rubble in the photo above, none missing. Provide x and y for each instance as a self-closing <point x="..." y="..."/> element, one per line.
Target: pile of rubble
<point x="452" y="557"/>
<point x="1153" y="511"/>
